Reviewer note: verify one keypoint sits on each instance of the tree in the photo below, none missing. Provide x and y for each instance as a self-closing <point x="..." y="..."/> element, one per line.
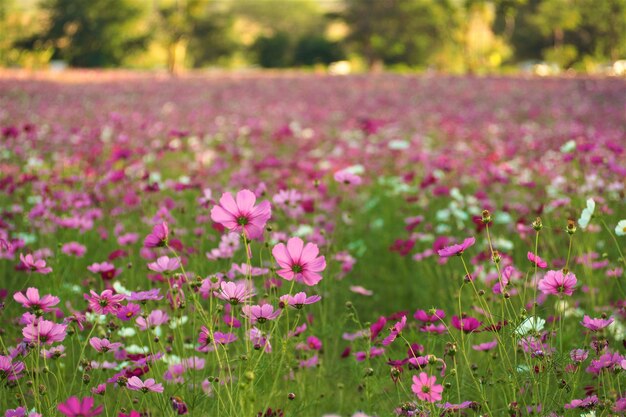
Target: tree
<point x="400" y="31"/>
<point x="93" y="33"/>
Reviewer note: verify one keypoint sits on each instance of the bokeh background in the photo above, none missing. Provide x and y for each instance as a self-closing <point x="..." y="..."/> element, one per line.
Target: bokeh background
<point x="452" y="36"/>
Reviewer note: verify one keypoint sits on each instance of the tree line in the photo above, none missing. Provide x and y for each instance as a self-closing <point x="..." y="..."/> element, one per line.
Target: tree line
<point x="445" y="35"/>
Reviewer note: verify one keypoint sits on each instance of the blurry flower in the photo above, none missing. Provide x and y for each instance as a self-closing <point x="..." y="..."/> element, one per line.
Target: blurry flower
<point x="260" y="313"/>
<point x="32" y="301"/>
<point x="620" y="229"/>
<point x="534" y="324"/>
<point x="34" y="265"/>
<point x="586" y="214"/>
<point x="103" y="345"/>
<point x="164" y="264"/>
<point x="299" y="299"/>
<point x="596" y="324"/>
<point x="158" y="237"/>
<point x="537" y="260"/>
<point x="150" y="385"/>
<point x="44" y="331"/>
<point x="347" y="177"/>
<point x="74" y="407"/>
<point x="395" y="331"/>
<point x="457" y="249"/>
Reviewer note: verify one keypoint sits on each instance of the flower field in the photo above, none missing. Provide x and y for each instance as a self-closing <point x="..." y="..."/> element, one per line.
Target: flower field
<point x="304" y="245"/>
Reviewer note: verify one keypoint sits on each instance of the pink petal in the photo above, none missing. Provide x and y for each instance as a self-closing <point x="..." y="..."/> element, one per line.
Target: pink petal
<point x="245" y="201"/>
<point x="294" y="247"/>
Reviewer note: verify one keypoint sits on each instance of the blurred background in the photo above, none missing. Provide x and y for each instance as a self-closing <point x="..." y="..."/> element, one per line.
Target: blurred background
<point x="544" y="37"/>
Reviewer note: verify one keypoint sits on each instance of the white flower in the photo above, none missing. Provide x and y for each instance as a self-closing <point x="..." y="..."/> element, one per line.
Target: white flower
<point x="620" y="229"/>
<point x="531" y="323"/>
<point x="585" y="216"/>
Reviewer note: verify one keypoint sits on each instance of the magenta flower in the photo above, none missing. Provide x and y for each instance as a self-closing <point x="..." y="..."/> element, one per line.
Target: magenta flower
<point x="74" y="407"/>
<point x="32" y="301"/>
<point x="557" y="283"/>
<point x="150" y="295"/>
<point x="158" y="237"/>
<point x="395" y="331"/>
<point x="596" y="324"/>
<point x="425" y="317"/>
<point x="299" y="261"/>
<point x="260" y="313"/>
<point x="9" y="369"/>
<point x="150" y="385"/>
<point x="35" y="265"/>
<point x="537" y="260"/>
<point x="103" y="345"/>
<point x="466" y="324"/>
<point x="299" y="300"/>
<point x="106" y="270"/>
<point x="483" y="347"/>
<point x="585" y="404"/>
<point x="234" y="293"/>
<point x="240" y="215"/>
<point x="104" y="303"/>
<point x="164" y="264"/>
<point x="44" y="331"/>
<point x="457" y="249"/>
<point x="426" y="388"/>
<point x="127" y="312"/>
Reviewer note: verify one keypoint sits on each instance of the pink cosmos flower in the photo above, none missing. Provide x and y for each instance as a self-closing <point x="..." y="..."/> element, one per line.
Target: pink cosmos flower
<point x="9" y="369"/>
<point x="104" y="303"/>
<point x="32" y="301"/>
<point x="106" y="270"/>
<point x="596" y="324"/>
<point x="426" y="317"/>
<point x="158" y="237"/>
<point x="395" y="331"/>
<point x="457" y="249"/>
<point x="299" y="300"/>
<point x="136" y="384"/>
<point x="35" y="265"/>
<point x="466" y="324"/>
<point x="346" y="177"/>
<point x="260" y="313"/>
<point x="426" y="388"/>
<point x="143" y="296"/>
<point x="234" y="293"/>
<point x="240" y="215"/>
<point x="164" y="264"/>
<point x="537" y="260"/>
<point x="557" y="283"/>
<point x="585" y="403"/>
<point x="299" y="261"/>
<point x="155" y="318"/>
<point x="74" y="407"/>
<point x="357" y="289"/>
<point x="127" y="312"/>
<point x="259" y="339"/>
<point x="483" y="347"/>
<point x="44" y="331"/>
<point x="103" y="345"/>
<point x="74" y="248"/>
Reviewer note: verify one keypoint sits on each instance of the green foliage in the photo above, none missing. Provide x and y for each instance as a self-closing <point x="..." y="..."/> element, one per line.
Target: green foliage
<point x="94" y="33"/>
<point x="273" y="51"/>
<point x="314" y="49"/>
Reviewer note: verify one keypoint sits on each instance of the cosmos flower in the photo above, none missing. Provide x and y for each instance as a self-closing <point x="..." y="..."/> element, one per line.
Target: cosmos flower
<point x="557" y="283"/>
<point x="32" y="301"/>
<point x="586" y="214"/>
<point x="74" y="407"/>
<point x="150" y="385"/>
<point x="395" y="331"/>
<point x="35" y="265"/>
<point x="299" y="299"/>
<point x="44" y="332"/>
<point x="240" y="215"/>
<point x="234" y="293"/>
<point x="536" y="260"/>
<point x="299" y="261"/>
<point x="104" y="303"/>
<point x="426" y="387"/>
<point x="164" y="264"/>
<point x="457" y="249"/>
<point x="596" y="324"/>
<point x="158" y="237"/>
<point x="260" y="313"/>
<point x="620" y="228"/>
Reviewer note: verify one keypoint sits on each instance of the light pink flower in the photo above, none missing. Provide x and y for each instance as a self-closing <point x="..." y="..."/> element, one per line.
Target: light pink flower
<point x="104" y="303"/>
<point x="74" y="407"/>
<point x="299" y="261"/>
<point x="136" y="384"/>
<point x="158" y="237"/>
<point x="299" y="300"/>
<point x="260" y="313"/>
<point x="234" y="293"/>
<point x="103" y="345"/>
<point x="32" y="300"/>
<point x="346" y="177"/>
<point x="536" y="260"/>
<point x="457" y="249"/>
<point x="395" y="331"/>
<point x="241" y="215"/>
<point x="557" y="283"/>
<point x="44" y="331"/>
<point x="74" y="248"/>
<point x="163" y="264"/>
<point x="426" y="388"/>
<point x="155" y="318"/>
<point x="596" y="324"/>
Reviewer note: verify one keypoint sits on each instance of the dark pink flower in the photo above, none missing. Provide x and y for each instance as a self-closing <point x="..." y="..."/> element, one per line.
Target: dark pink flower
<point x="74" y="407"/>
<point x="104" y="303"/>
<point x="425" y="317"/>
<point x="299" y="261"/>
<point x="537" y="260"/>
<point x="241" y="215"/>
<point x="466" y="324"/>
<point x="9" y="369"/>
<point x="158" y="237"/>
<point x="32" y="301"/>
<point x="585" y="403"/>
<point x="457" y="249"/>
<point x="395" y="331"/>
